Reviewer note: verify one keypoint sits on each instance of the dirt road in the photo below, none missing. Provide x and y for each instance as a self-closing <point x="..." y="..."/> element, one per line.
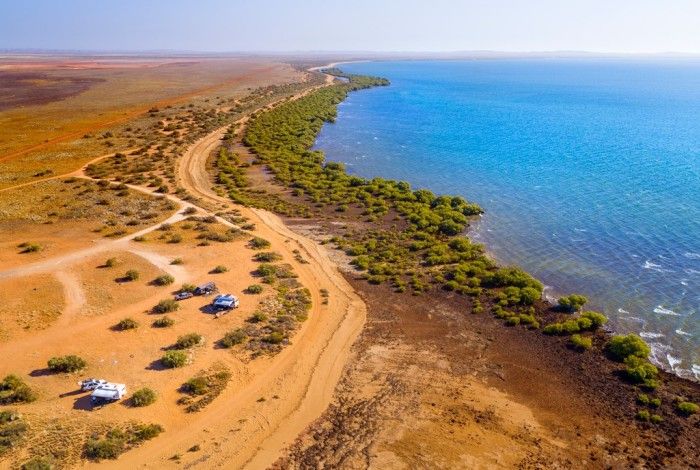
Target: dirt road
<point x="302" y="377"/>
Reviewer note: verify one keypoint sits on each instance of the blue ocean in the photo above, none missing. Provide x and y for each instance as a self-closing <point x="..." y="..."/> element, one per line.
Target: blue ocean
<point x="588" y="170"/>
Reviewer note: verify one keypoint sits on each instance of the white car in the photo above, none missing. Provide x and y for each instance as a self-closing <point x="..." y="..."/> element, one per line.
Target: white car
<point x="91" y="384"/>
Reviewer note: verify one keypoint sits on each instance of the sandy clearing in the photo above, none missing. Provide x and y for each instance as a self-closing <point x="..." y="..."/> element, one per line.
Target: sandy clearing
<point x="302" y="377"/>
<point x="73" y="294"/>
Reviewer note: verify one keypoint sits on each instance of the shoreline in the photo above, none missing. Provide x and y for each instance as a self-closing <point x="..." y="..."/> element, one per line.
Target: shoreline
<point x="690" y="370"/>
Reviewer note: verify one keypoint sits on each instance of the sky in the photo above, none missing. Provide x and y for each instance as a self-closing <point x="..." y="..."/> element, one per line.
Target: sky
<point x="626" y="26"/>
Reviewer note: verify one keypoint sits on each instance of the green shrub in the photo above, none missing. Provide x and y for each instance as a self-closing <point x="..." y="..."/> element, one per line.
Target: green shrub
<point x="189" y="340"/>
<point x="196" y="386"/>
<point x="30" y="247"/>
<point x="38" y="463"/>
<point x="597" y="319"/>
<point x="188" y="288"/>
<point x="621" y="346"/>
<point x="166" y="306"/>
<point x="177" y="261"/>
<point x="14" y="390"/>
<point x="174" y="358"/>
<point x="572" y="303"/>
<point x="110" y="447"/>
<point x="258" y="243"/>
<point x="643" y="415"/>
<point x="143" y="397"/>
<point x="164" y="280"/>
<point x="219" y="269"/>
<point x="131" y="275"/>
<point x="145" y="432"/>
<point x="267" y="257"/>
<point x="111" y="262"/>
<point x="580" y="343"/>
<point x="126" y="324"/>
<point x="254" y="289"/>
<point x="233" y="338"/>
<point x="655" y="402"/>
<point x="257" y="317"/>
<point x="656" y="419"/>
<point x="70" y="363"/>
<point x="641" y="371"/>
<point x="274" y="338"/>
<point x="687" y="408"/>
<point x="163" y="322"/>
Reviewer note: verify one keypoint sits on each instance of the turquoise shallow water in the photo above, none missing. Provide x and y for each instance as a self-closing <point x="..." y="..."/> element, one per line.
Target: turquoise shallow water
<point x="589" y="172"/>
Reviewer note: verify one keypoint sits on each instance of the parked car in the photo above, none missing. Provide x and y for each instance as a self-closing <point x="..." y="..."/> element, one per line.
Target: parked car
<point x="206" y="289"/>
<point x="183" y="295"/>
<point x="225" y="302"/>
<point x="91" y="384"/>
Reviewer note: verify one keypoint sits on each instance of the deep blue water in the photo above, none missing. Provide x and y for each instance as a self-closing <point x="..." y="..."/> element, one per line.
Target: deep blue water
<point x="588" y="170"/>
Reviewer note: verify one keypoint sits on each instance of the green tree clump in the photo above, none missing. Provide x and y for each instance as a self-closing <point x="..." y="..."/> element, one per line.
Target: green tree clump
<point x="572" y="303"/>
<point x="620" y="347"/>
<point x="66" y="364"/>
<point x="687" y="408"/>
<point x="166" y="306"/>
<point x="14" y="390"/>
<point x="174" y="358"/>
<point x="189" y="340"/>
<point x="233" y="338"/>
<point x="143" y="397"/>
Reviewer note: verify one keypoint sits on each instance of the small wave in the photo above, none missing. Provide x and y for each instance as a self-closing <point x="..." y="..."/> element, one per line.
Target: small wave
<point x="684" y="282"/>
<point x="691" y="271"/>
<point x="622" y="310"/>
<point x="650" y="335"/>
<point x="673" y="361"/>
<point x="580" y="230"/>
<point x="691" y="255"/>
<point x="665" y="311"/>
<point x="655" y="267"/>
<point x="683" y="333"/>
<point x="696" y="370"/>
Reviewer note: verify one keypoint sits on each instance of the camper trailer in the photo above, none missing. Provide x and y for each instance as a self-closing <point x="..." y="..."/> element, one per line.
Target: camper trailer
<point x="108" y="392"/>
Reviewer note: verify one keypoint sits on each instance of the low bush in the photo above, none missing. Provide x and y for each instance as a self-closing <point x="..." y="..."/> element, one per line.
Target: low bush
<point x="66" y="364"/>
<point x="641" y="371"/>
<point x="111" y="262"/>
<point x="166" y="306"/>
<point x="656" y="419"/>
<point x="219" y="269"/>
<point x="111" y="447"/>
<point x="174" y="358"/>
<point x="643" y="415"/>
<point x="275" y="337"/>
<point x="145" y="432"/>
<point x="580" y="343"/>
<point x="687" y="408"/>
<point x="132" y="275"/>
<point x="572" y="303"/>
<point x="267" y="257"/>
<point x="254" y="289"/>
<point x="233" y="338"/>
<point x="189" y="340"/>
<point x="176" y="261"/>
<point x="196" y="386"/>
<point x="622" y="346"/>
<point x="38" y="463"/>
<point x="28" y="247"/>
<point x="188" y="288"/>
<point x="258" y="243"/>
<point x="163" y="322"/>
<point x="143" y="397"/>
<point x="164" y="280"/>
<point x="14" y="390"/>
<point x="126" y="324"/>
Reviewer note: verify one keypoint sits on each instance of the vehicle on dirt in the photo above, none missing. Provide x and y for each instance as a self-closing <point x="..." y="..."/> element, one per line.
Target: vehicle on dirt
<point x="108" y="392"/>
<point x="206" y="289"/>
<point x="225" y="302"/>
<point x="91" y="384"/>
<point x="183" y="295"/>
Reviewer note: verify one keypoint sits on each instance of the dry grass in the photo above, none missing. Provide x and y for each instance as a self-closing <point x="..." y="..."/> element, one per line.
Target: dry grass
<point x="29" y="304"/>
<point x="50" y="136"/>
<point x="195" y="231"/>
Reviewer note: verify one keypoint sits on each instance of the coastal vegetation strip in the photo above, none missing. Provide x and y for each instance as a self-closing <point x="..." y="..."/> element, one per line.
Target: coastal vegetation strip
<point x="410" y="239"/>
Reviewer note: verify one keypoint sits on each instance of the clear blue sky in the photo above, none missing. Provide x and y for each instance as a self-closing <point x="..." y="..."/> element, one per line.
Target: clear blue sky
<point x="352" y="25"/>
